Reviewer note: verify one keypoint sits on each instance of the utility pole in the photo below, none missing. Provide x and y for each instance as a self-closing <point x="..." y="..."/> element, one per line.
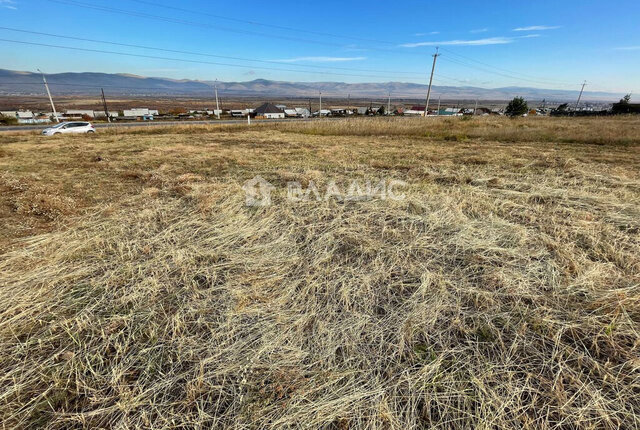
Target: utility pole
<point x="389" y="105"/>
<point x="438" y="113"/>
<point x="580" y="96"/>
<point x="215" y="87"/>
<point x="320" y="110"/>
<point x="476" y="108"/>
<point x="433" y="68"/>
<point x="55" y="114"/>
<point x="104" y="104"/>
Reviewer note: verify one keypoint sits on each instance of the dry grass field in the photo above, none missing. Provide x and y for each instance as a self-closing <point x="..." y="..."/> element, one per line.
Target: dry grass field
<point x="139" y="291"/>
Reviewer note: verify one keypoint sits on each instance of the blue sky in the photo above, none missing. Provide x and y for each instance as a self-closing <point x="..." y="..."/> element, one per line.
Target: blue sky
<point x="543" y="43"/>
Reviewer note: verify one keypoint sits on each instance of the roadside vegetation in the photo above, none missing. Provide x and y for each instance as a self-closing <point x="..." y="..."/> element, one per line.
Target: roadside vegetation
<point x="139" y="291"/>
<point x="5" y="120"/>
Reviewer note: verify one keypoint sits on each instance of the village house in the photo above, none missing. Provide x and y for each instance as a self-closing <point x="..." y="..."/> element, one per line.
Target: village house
<point x="78" y="113"/>
<point x="101" y="114"/>
<point x="26" y="117"/>
<point x="268" y="111"/>
<point x="139" y="113"/>
<point x="303" y="112"/>
<point x="240" y="112"/>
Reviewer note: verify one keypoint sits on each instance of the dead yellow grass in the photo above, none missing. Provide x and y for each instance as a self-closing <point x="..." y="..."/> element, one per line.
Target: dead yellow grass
<point x="503" y="292"/>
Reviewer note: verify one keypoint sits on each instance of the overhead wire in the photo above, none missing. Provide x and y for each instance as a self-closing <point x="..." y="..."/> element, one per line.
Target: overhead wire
<point x="460" y="61"/>
<point x="246" y="66"/>
<point x="178" y="51"/>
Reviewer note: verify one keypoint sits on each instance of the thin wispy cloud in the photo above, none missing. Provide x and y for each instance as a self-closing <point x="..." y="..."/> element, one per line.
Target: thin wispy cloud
<point x="479" y="30"/>
<point x="628" y="48"/>
<point x="475" y="42"/>
<point x="321" y="59"/>
<point x="354" y="48"/>
<point x="8" y="4"/>
<point x="426" y="34"/>
<point x="537" y="28"/>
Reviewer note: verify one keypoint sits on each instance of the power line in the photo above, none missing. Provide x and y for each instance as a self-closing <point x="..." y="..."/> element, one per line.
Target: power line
<point x="262" y="24"/>
<point x="438" y="77"/>
<point x="159" y="89"/>
<point x="181" y="59"/>
<point x="550" y="81"/>
<point x="190" y="23"/>
<point x="177" y="51"/>
<point x="517" y="78"/>
<point x="232" y="30"/>
<point x="296" y="39"/>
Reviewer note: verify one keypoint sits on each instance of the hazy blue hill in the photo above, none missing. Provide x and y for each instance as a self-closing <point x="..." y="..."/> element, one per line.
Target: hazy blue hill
<point x="25" y="83"/>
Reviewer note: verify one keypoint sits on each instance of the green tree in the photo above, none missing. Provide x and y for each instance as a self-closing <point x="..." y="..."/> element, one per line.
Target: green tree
<point x="623" y="106"/>
<point x="517" y="107"/>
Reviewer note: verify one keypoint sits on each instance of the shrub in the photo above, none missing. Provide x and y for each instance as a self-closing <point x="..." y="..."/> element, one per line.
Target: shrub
<point x="7" y="120"/>
<point x="517" y="107"/>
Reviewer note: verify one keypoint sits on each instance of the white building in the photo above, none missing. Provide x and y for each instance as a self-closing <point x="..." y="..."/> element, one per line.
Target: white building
<point x="269" y="111"/>
<point x="78" y="113"/>
<point x="26" y="117"/>
<point x="303" y="112"/>
<point x="240" y="112"/>
<point x="140" y="113"/>
<point x="100" y="114"/>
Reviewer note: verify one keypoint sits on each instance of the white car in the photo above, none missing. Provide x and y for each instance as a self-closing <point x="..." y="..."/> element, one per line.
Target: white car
<point x="69" y="127"/>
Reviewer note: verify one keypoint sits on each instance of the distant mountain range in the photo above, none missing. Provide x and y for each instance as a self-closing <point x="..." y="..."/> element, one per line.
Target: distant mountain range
<point x="29" y="83"/>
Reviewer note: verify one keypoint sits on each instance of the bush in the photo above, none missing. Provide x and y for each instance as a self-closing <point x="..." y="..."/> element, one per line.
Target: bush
<point x="7" y="120"/>
<point x="625" y="106"/>
<point x="517" y="107"/>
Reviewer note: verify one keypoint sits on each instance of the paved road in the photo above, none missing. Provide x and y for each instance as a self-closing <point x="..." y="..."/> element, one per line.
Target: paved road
<point x="161" y="123"/>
